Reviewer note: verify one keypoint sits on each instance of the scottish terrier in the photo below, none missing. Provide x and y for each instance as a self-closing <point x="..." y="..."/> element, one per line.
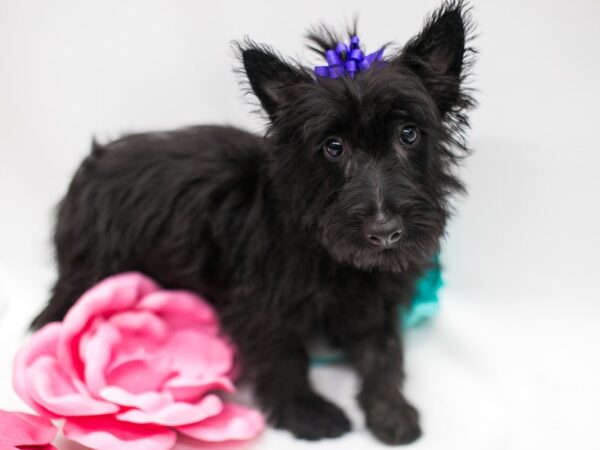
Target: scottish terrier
<point x="321" y="226"/>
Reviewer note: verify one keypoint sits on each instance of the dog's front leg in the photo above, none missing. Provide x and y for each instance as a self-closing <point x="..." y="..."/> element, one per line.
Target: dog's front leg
<point x="377" y="355"/>
<point x="284" y="391"/>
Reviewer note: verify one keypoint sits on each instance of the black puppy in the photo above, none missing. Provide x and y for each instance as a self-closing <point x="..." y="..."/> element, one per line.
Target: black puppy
<point x="320" y="227"/>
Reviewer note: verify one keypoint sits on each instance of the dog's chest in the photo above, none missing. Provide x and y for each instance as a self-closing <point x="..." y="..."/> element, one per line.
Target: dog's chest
<point x="337" y="302"/>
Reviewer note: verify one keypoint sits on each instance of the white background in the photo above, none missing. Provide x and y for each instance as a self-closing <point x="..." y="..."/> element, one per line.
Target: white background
<point x="512" y="360"/>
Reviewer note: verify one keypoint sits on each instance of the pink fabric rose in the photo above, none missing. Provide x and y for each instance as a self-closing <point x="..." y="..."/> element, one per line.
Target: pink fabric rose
<point x="25" y="431"/>
<point x="131" y="365"/>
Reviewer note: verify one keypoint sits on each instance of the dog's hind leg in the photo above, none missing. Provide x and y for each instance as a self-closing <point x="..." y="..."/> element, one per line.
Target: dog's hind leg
<point x="65" y="293"/>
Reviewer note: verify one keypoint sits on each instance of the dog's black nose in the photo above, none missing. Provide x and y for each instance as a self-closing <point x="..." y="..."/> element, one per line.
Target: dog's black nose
<point x="384" y="233"/>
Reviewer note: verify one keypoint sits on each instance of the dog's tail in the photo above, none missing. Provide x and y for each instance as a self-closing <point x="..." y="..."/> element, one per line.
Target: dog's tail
<point x="96" y="152"/>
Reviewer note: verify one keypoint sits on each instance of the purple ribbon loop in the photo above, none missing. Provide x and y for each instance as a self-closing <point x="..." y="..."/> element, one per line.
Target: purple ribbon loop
<point x="347" y="60"/>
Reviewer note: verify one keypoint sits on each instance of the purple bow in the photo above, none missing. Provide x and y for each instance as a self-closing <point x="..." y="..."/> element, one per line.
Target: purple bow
<point x="347" y="60"/>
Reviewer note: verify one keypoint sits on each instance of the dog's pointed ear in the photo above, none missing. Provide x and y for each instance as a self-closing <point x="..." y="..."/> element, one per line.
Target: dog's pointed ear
<point x="437" y="54"/>
<point x="270" y="76"/>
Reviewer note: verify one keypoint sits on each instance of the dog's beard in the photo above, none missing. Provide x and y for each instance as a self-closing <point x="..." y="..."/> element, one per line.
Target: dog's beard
<point x="345" y="242"/>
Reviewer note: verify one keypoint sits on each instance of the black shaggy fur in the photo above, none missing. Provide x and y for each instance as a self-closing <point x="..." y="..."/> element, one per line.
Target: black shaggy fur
<point x="275" y="233"/>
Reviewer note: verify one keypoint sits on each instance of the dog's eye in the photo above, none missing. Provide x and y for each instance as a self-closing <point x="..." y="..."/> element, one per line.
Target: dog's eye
<point x="409" y="135"/>
<point x="333" y="148"/>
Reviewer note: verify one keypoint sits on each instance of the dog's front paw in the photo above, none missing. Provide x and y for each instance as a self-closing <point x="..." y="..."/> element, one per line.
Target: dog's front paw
<point x="311" y="417"/>
<point x="393" y="420"/>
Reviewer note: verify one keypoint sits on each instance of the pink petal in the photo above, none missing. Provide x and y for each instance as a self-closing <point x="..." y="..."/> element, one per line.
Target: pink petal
<point x="20" y="429"/>
<point x="235" y="422"/>
<point x="42" y="343"/>
<point x="176" y="414"/>
<point x="105" y="432"/>
<point x="142" y="335"/>
<point x="198" y="354"/>
<point x="139" y="376"/>
<point x="146" y="401"/>
<point x="144" y="323"/>
<point x="190" y="388"/>
<point x="182" y="309"/>
<point x="51" y="388"/>
<point x="116" y="293"/>
<point x="96" y="352"/>
<point x="140" y="329"/>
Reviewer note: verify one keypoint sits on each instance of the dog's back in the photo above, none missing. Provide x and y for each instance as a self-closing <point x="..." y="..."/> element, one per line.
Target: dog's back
<point x="160" y="203"/>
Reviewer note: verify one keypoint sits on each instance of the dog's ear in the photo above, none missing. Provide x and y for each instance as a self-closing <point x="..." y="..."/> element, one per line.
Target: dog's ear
<point x="270" y="76"/>
<point x="437" y="54"/>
